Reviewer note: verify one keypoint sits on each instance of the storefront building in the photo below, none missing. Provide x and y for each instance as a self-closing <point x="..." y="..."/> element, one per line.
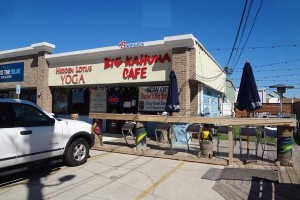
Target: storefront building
<point x="25" y="70"/>
<point x="130" y="78"/>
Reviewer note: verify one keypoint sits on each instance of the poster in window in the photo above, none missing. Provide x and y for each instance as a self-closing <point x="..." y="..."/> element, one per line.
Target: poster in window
<point x="152" y="98"/>
<point x="60" y="102"/>
<point x="98" y="102"/>
<point x="127" y="104"/>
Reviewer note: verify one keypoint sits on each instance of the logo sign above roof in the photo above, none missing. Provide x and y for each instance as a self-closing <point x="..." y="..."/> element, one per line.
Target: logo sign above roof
<point x="124" y="44"/>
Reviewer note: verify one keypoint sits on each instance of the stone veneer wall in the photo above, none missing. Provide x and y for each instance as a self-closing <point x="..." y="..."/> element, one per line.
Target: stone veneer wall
<point x="35" y="77"/>
<point x="184" y="65"/>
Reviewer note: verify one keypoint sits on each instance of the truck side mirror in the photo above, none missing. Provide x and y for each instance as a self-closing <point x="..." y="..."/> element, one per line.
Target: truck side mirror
<point x="52" y="121"/>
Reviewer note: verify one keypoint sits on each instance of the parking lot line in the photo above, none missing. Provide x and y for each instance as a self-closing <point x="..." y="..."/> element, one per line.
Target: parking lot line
<point x="98" y="156"/>
<point x="160" y="180"/>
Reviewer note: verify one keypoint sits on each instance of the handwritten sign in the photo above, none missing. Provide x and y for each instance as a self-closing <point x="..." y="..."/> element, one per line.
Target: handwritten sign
<point x="152" y="98"/>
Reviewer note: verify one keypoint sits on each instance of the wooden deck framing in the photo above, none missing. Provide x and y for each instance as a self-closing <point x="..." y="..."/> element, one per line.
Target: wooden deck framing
<point x="196" y="119"/>
<point x="286" y="122"/>
<point x="287" y="187"/>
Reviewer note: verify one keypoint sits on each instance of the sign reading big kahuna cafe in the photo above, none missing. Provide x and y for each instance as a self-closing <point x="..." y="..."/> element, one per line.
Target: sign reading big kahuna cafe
<point x="119" y="69"/>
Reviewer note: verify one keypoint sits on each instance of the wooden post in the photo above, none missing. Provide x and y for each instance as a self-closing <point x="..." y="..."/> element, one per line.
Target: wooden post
<point x="248" y="133"/>
<point x="284" y="145"/>
<point x="230" y="159"/>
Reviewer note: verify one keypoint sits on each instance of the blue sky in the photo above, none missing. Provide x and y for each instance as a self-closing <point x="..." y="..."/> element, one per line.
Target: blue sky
<point x="83" y="24"/>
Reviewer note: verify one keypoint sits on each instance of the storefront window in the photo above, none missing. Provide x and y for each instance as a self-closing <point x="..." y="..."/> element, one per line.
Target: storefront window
<point x="29" y="95"/>
<point x="77" y="102"/>
<point x="3" y="94"/>
<point x="70" y="101"/>
<point x="26" y="94"/>
<point x="60" y="102"/>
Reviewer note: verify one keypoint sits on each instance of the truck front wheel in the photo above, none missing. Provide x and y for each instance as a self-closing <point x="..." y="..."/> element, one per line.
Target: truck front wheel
<point x="77" y="153"/>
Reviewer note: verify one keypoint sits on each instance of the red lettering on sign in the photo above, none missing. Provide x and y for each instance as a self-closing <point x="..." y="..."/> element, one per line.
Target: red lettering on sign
<point x="64" y="70"/>
<point x="118" y="62"/>
<point x="110" y="63"/>
<point x="128" y="61"/>
<point x="165" y="58"/>
<point x="62" y="77"/>
<point x="134" y="73"/>
<point x="143" y="72"/>
<point x="135" y="61"/>
<point x="83" y="69"/>
<point x="74" y="79"/>
<point x="143" y="60"/>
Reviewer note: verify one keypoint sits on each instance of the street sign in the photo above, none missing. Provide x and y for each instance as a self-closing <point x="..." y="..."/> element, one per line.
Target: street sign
<point x="18" y="89"/>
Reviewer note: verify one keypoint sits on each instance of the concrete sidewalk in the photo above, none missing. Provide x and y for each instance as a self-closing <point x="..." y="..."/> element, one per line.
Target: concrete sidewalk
<point x="115" y="176"/>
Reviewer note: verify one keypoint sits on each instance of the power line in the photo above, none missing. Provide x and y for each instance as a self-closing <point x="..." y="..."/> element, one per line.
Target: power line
<point x="248" y="13"/>
<point x="249" y="33"/>
<point x="274" y="70"/>
<point x="256" y="47"/>
<point x="267" y="78"/>
<point x="238" y="32"/>
<point x="267" y="88"/>
<point x="277" y="63"/>
<point x="276" y="80"/>
<point x="284" y="62"/>
<point x="278" y="76"/>
<point x="207" y="79"/>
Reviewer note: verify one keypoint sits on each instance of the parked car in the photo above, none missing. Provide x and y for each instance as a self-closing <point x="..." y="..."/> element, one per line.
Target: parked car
<point x="27" y="133"/>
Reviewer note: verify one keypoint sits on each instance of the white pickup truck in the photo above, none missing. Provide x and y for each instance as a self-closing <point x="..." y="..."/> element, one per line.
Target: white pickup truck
<point x="27" y="133"/>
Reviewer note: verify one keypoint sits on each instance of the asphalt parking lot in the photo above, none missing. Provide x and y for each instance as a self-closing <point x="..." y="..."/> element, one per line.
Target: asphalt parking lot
<point x="112" y="176"/>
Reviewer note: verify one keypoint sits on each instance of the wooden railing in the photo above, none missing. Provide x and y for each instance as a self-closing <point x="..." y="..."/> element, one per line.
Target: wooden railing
<point x="282" y="122"/>
<point x="194" y="119"/>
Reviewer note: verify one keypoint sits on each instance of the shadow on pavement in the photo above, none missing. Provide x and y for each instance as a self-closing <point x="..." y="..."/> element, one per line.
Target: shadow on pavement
<point x="32" y="177"/>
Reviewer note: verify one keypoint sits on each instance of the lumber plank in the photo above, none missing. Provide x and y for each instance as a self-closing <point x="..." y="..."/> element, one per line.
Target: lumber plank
<point x="238" y="186"/>
<point x="197" y="119"/>
<point x="297" y="172"/>
<point x="296" y="153"/>
<point x="284" y="175"/>
<point x="236" y="191"/>
<point x="293" y="176"/>
<point x="230" y="149"/>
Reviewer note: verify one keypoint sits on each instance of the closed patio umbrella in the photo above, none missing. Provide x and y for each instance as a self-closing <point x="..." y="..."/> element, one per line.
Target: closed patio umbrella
<point x="248" y="98"/>
<point x="172" y="104"/>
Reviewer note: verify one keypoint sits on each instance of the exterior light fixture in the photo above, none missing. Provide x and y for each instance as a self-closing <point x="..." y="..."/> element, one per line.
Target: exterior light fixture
<point x="281" y="88"/>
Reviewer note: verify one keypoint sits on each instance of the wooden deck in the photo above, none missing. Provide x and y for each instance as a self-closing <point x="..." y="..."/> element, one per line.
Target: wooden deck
<point x="181" y="152"/>
<point x="284" y="124"/>
<point x="287" y="187"/>
<point x="258" y="189"/>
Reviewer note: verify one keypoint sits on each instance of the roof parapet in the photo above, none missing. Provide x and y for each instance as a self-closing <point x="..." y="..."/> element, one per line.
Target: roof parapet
<point x="33" y="49"/>
<point x="187" y="40"/>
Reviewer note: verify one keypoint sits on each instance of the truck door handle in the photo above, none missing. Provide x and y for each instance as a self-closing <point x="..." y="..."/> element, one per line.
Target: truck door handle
<point x="26" y="132"/>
